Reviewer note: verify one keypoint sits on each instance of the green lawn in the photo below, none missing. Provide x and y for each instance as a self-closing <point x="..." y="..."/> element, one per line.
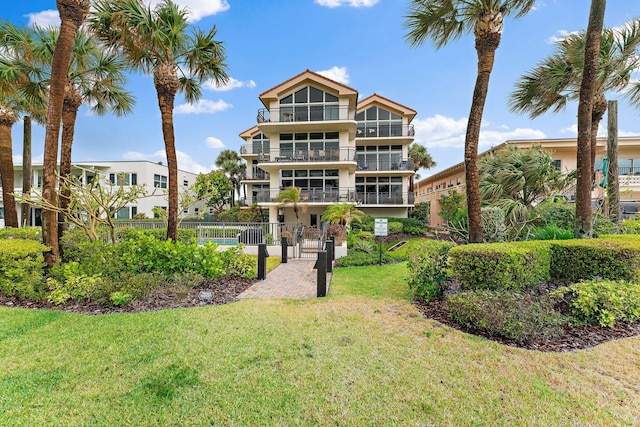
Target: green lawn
<point x="362" y="356"/>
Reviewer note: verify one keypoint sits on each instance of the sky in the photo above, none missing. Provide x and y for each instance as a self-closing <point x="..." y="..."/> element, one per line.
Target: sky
<point x="360" y="43"/>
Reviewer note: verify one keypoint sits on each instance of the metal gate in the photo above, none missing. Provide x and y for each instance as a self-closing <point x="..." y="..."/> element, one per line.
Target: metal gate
<point x="309" y="241"/>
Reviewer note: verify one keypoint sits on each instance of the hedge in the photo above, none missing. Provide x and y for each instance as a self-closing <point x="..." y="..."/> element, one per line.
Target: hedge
<point x="29" y="233"/>
<point x="500" y="266"/>
<point x="21" y="268"/>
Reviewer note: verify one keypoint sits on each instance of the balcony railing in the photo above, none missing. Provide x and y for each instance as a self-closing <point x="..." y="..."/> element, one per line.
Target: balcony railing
<point x="306" y="155"/>
<point x="338" y="195"/>
<point x="256" y="173"/>
<point x="385" y="165"/>
<point x="626" y="171"/>
<point x="306" y="113"/>
<point x="383" y="130"/>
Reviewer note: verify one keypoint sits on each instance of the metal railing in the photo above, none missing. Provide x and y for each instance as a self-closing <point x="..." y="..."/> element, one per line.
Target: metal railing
<point x="254" y="148"/>
<point x="305" y="113"/>
<point x="627" y="170"/>
<point x="385" y="165"/>
<point x="338" y="195"/>
<point x="383" y="130"/>
<point x="308" y="155"/>
<point x="256" y="173"/>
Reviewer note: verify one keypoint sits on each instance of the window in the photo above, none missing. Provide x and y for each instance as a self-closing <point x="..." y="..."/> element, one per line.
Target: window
<point x="379" y="190"/>
<point x="156" y="209"/>
<point x="309" y="104"/>
<point x="557" y="165"/>
<point x="315" y="146"/>
<point x="320" y="179"/>
<point x="260" y="193"/>
<point x="185" y="183"/>
<point x="458" y="181"/>
<point x="127" y="212"/>
<point x="380" y="157"/>
<point x="1" y="213"/>
<point x="124" y="178"/>
<point x="260" y="144"/>
<point x="159" y="181"/>
<point x="378" y="122"/>
<point x="628" y="166"/>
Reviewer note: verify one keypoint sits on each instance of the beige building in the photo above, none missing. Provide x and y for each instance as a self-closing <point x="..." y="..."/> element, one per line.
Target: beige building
<point x="432" y="189"/>
<point x="316" y="135"/>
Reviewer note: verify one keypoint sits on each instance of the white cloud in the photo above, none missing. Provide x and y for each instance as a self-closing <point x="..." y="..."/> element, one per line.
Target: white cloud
<point x="185" y="161"/>
<point x="45" y="18"/>
<point x="198" y="9"/>
<point x="231" y="84"/>
<point x="35" y="160"/>
<point x="336" y="73"/>
<point x="213" y="142"/>
<point x="561" y="35"/>
<point x="352" y="3"/>
<point x="204" y="106"/>
<point x="441" y="131"/>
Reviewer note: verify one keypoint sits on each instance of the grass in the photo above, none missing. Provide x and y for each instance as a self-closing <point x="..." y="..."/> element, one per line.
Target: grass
<point x="362" y="356"/>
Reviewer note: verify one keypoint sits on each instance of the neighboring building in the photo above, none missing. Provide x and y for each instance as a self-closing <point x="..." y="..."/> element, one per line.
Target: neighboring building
<point x="432" y="189"/>
<point x="153" y="175"/>
<point x="314" y="134"/>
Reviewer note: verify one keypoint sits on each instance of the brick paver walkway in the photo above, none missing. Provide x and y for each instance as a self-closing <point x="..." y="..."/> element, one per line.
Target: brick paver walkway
<point x="295" y="279"/>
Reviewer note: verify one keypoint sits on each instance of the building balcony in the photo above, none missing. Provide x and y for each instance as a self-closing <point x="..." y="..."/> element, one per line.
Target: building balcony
<point x="256" y="174"/>
<point x="339" y="195"/>
<point x="385" y="165"/>
<point x="308" y="156"/>
<point x="308" y="118"/>
<point x="384" y="130"/>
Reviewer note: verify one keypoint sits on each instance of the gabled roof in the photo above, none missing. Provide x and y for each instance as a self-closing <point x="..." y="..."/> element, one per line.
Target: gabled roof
<point x="386" y="102"/>
<point x="249" y="132"/>
<point x="305" y="78"/>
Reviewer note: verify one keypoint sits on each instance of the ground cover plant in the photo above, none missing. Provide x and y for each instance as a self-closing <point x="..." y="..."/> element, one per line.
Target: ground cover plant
<point x="362" y="356"/>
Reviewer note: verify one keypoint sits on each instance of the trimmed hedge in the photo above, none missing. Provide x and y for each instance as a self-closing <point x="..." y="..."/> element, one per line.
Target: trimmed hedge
<point x="428" y="268"/>
<point x="21" y="268"/>
<point x="500" y="266"/>
<point x="28" y="233"/>
<point x="611" y="257"/>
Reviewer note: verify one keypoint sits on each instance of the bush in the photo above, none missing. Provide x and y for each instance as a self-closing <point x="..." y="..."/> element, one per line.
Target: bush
<point x="551" y="232"/>
<point x="493" y="228"/>
<point x="75" y="287"/>
<point x="428" y="268"/>
<point x="237" y="263"/>
<point x="602" y="224"/>
<point x="517" y="316"/>
<point x="184" y="235"/>
<point x="605" y="302"/>
<point x="560" y="214"/>
<point x="584" y="259"/>
<point x="338" y="232"/>
<point x="365" y="246"/>
<point x="24" y="233"/>
<point x="355" y="259"/>
<point x="120" y="299"/>
<point x="412" y="226"/>
<point x="394" y="227"/>
<point x="631" y="226"/>
<point x="497" y="266"/>
<point x="21" y="268"/>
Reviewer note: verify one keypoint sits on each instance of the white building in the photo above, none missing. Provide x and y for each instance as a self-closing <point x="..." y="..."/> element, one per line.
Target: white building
<point x="153" y="175"/>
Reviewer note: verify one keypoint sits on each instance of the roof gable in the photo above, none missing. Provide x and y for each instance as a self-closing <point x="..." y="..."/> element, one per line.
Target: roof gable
<point x="386" y="103"/>
<point x="306" y="78"/>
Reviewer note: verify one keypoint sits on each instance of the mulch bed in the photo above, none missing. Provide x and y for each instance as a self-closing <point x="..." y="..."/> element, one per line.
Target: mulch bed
<point x="224" y="291"/>
<point x="573" y="338"/>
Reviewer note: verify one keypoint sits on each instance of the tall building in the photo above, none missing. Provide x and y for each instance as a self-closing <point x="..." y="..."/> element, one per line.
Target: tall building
<point x="152" y="175"/>
<point x="432" y="188"/>
<point x="315" y="134"/>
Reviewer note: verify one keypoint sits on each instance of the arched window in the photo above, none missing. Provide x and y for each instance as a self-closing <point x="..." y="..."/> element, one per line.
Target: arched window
<point x="309" y="104"/>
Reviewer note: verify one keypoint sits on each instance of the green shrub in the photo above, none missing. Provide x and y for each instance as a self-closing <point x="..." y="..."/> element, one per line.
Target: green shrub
<point x="184" y="235"/>
<point x="355" y="259"/>
<point x="75" y="287"/>
<point x="238" y="263"/>
<point x="631" y="226"/>
<point x="394" y="227"/>
<point x="602" y="224"/>
<point x="428" y="269"/>
<point x="551" y="232"/>
<point x="24" y="233"/>
<point x="584" y="259"/>
<point x="493" y="228"/>
<point x="412" y="226"/>
<point x="510" y="266"/>
<point x="365" y="246"/>
<point x="120" y="299"/>
<point x="21" y="268"/>
<point x="605" y="302"/>
<point x="517" y="316"/>
<point x="560" y="214"/>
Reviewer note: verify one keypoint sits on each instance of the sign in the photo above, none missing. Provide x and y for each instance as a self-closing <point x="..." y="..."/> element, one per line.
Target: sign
<point x="380" y="227"/>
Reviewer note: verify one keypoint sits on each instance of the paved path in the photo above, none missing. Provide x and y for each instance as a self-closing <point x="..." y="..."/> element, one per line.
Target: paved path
<point x="295" y="279"/>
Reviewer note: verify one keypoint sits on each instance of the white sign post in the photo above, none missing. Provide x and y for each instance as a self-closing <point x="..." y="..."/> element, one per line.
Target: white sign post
<point x="380" y="230"/>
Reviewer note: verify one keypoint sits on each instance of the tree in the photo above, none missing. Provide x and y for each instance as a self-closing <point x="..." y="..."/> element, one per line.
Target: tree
<point x="421" y="159"/>
<point x="342" y="213"/>
<point x="95" y="77"/>
<point x="156" y="42"/>
<point x="583" y="227"/>
<point x="445" y="20"/>
<point x="556" y="80"/>
<point x="72" y="15"/>
<point x="21" y="91"/>
<point x="291" y="196"/>
<point x="231" y="163"/>
<point x="213" y="187"/>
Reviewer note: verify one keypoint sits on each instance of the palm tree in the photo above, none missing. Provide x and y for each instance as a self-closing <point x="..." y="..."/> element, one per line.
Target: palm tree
<point x="156" y="43"/>
<point x="583" y="226"/>
<point x="96" y="78"/>
<point x="291" y="196"/>
<point x="72" y="15"/>
<point x="421" y="159"/>
<point x="21" y="91"/>
<point x="342" y="213"/>
<point x="231" y="163"/>
<point x="555" y="81"/>
<point x="446" y="20"/>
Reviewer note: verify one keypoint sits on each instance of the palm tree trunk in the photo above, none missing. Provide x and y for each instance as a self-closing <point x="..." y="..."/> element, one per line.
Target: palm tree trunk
<point x="26" y="169"/>
<point x="69" y="115"/>
<point x="7" y="173"/>
<point x="72" y="15"/>
<point x="613" y="186"/>
<point x="485" y="47"/>
<point x="599" y="109"/>
<point x="583" y="226"/>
